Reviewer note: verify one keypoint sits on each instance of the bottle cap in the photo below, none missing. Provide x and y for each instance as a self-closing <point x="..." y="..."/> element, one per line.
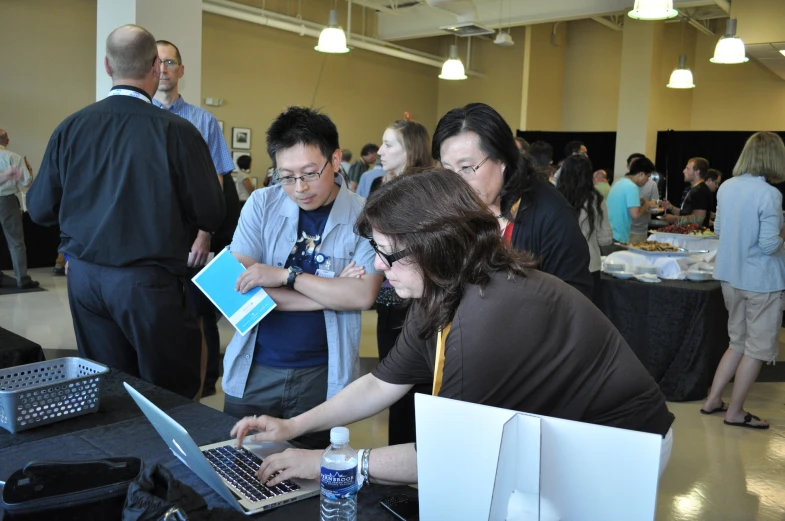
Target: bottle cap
<point x="339" y="435"/>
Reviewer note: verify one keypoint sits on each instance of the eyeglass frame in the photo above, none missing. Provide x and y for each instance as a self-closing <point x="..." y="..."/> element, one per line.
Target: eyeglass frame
<point x="294" y="179"/>
<point x="166" y="65"/>
<point x="472" y="169"/>
<point x="388" y="259"/>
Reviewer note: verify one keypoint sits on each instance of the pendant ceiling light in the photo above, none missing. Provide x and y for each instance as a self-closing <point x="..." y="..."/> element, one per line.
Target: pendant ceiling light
<point x="653" y="10"/>
<point x="453" y="67"/>
<point x="681" y="77"/>
<point x="332" y="39"/>
<point x="730" y="48"/>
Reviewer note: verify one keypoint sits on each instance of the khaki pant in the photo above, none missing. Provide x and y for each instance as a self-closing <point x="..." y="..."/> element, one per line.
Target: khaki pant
<point x="754" y="321"/>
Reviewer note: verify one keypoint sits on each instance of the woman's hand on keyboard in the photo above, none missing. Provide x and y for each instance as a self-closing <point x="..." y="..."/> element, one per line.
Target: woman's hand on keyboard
<point x="291" y="463"/>
<point x="267" y="429"/>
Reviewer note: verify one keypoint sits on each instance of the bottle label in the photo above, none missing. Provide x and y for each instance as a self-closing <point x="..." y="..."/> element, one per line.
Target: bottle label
<point x="339" y="484"/>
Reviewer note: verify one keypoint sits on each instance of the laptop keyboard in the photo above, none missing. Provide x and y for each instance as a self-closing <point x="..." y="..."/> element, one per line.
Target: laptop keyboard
<point x="239" y="466"/>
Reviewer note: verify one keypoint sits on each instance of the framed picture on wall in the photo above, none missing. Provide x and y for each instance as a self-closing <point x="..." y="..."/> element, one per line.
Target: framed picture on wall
<point x="221" y="125"/>
<point x="236" y="156"/>
<point x="241" y="138"/>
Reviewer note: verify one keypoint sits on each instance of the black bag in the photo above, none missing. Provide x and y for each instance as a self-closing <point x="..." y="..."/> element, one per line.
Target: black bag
<point x="70" y="490"/>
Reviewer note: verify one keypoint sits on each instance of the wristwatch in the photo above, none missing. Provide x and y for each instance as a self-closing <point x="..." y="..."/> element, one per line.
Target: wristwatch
<point x="293" y="272"/>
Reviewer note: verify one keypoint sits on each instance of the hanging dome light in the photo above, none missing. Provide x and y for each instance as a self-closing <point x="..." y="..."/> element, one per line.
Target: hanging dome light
<point x="453" y="67"/>
<point x="681" y="77"/>
<point x="730" y="48"/>
<point x="653" y="10"/>
<point x="332" y="39"/>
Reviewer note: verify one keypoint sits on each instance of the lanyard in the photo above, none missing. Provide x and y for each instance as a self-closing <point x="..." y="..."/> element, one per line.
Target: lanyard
<point x="129" y="92"/>
<point x="438" y="369"/>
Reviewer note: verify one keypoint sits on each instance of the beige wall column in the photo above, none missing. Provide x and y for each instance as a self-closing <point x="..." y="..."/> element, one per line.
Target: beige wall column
<point x="640" y="91"/>
<point x="543" y="77"/>
<point x="179" y="21"/>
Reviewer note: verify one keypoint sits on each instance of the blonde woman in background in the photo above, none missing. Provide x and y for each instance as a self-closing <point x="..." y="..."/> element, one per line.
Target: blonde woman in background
<point x="751" y="266"/>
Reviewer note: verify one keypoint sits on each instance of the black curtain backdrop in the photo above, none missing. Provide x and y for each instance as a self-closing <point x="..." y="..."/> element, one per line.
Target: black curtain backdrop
<point x="601" y="145"/>
<point x="720" y="148"/>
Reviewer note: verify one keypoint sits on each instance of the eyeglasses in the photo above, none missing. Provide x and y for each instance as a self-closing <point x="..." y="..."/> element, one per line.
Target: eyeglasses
<point x="169" y="64"/>
<point x="469" y="171"/>
<point x="305" y="178"/>
<point x="388" y="259"/>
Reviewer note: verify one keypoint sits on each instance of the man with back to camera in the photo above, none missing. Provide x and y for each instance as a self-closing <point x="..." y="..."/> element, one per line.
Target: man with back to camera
<point x="294" y="238"/>
<point x="362" y="165"/>
<point x="124" y="179"/>
<point x="168" y="98"/>
<point x="624" y="200"/>
<point x="639" y="229"/>
<point x="696" y="206"/>
<point x="18" y="177"/>
<point x="573" y="148"/>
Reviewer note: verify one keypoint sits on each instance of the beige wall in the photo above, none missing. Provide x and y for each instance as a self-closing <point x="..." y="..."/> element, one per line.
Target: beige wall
<point x="48" y="68"/>
<point x="759" y="21"/>
<point x="543" y="78"/>
<point x="259" y="71"/>
<point x="501" y="87"/>
<point x="592" y="71"/>
<point x="735" y="97"/>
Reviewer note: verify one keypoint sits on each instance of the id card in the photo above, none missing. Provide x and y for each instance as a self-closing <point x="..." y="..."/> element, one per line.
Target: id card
<point x="325" y="273"/>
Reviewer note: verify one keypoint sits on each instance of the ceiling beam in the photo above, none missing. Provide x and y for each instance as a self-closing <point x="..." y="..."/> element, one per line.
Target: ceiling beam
<point x="607" y="23"/>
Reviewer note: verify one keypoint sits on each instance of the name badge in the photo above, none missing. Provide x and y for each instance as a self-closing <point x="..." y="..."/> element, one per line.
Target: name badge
<point x="326" y="274"/>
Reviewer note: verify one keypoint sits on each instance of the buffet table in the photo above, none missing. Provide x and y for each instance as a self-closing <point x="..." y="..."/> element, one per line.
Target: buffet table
<point x="678" y="330"/>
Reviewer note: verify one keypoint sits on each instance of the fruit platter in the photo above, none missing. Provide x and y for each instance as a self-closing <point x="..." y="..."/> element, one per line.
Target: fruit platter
<point x="691" y="230"/>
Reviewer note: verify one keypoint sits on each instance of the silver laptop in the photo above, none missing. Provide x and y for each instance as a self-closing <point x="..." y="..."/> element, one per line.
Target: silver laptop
<point x="229" y="471"/>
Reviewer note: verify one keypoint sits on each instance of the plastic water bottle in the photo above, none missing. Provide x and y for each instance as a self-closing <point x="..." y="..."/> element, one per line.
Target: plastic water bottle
<point x="339" y="478"/>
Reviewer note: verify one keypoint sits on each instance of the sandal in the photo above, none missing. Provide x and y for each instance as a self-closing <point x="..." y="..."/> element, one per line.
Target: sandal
<point x="722" y="408"/>
<point x="747" y="423"/>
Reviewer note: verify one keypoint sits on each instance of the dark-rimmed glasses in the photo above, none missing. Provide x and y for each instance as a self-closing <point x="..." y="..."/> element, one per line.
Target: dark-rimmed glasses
<point x="306" y="178"/>
<point x="469" y="171"/>
<point x="388" y="259"/>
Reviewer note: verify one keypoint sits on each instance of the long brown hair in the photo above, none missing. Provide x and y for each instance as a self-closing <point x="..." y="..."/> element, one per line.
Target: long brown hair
<point x="452" y="238"/>
<point x="416" y="142"/>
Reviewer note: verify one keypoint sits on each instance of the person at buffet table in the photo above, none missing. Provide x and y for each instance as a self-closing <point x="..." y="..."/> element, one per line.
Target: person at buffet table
<point x="512" y="336"/>
<point x="713" y="180"/>
<point x="751" y="266"/>
<point x="695" y="207"/>
<point x="624" y="200"/>
<point x="639" y="229"/>
<point x="600" y="179"/>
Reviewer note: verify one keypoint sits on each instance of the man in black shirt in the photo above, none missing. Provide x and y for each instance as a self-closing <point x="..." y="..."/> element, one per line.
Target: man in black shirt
<point x="124" y="180"/>
<point x="696" y="207"/>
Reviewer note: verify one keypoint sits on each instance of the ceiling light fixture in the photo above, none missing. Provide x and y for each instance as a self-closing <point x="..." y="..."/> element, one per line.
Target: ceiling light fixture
<point x="653" y="10"/>
<point x="730" y="48"/>
<point x="681" y="77"/>
<point x="453" y="67"/>
<point x="332" y="39"/>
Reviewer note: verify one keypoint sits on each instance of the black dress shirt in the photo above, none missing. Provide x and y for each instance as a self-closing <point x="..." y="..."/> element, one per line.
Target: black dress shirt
<point x="125" y="181"/>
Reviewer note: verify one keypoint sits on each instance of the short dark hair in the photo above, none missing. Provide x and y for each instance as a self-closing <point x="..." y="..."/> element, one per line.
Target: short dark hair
<point x="496" y="142"/>
<point x="713" y="174"/>
<point x="642" y="164"/>
<point x="572" y="147"/>
<point x="522" y="143"/>
<point x="698" y="163"/>
<point x="176" y="49"/>
<point x="633" y="156"/>
<point x="302" y="126"/>
<point x="542" y="153"/>
<point x="347" y="155"/>
<point x="370" y="148"/>
<point x="454" y="243"/>
<point x="244" y="162"/>
<point x="131" y="52"/>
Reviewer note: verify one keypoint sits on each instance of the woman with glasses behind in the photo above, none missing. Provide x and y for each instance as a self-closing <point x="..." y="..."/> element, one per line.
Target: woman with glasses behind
<point x="533" y="217"/>
<point x="513" y="337"/>
<point x="405" y="145"/>
<point x="576" y="184"/>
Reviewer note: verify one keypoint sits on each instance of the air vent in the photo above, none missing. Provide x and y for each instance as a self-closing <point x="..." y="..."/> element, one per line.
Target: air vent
<point x="466" y="29"/>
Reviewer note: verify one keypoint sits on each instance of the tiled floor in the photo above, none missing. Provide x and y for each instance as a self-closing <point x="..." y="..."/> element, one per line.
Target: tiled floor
<point x="716" y="473"/>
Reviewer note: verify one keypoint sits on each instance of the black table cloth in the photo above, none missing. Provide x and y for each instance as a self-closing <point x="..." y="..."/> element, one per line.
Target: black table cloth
<point x="678" y="330"/>
<point x="119" y="429"/>
<point x="17" y="350"/>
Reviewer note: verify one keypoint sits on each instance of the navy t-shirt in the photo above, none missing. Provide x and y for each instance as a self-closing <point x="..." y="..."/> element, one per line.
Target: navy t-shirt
<point x="297" y="338"/>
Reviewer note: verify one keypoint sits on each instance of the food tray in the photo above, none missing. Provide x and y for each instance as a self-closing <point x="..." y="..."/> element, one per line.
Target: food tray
<point x="47" y="392"/>
<point x="686" y="235"/>
<point x="657" y="253"/>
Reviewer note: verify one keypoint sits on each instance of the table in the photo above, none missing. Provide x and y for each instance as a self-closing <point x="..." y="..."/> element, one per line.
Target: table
<point x="17" y="350"/>
<point x="119" y="429"/>
<point x="678" y="330"/>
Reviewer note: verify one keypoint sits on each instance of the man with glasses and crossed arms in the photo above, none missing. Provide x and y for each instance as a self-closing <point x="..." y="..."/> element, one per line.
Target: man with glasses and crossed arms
<point x="295" y="238"/>
<point x="168" y="98"/>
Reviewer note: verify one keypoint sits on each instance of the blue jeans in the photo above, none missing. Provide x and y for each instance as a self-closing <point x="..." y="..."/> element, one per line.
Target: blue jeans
<point x="283" y="393"/>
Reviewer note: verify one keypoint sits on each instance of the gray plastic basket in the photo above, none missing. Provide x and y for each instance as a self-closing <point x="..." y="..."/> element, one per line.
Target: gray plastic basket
<point x="47" y="392"/>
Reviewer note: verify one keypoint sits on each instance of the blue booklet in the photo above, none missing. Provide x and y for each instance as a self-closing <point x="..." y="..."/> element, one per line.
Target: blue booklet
<point x="217" y="280"/>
